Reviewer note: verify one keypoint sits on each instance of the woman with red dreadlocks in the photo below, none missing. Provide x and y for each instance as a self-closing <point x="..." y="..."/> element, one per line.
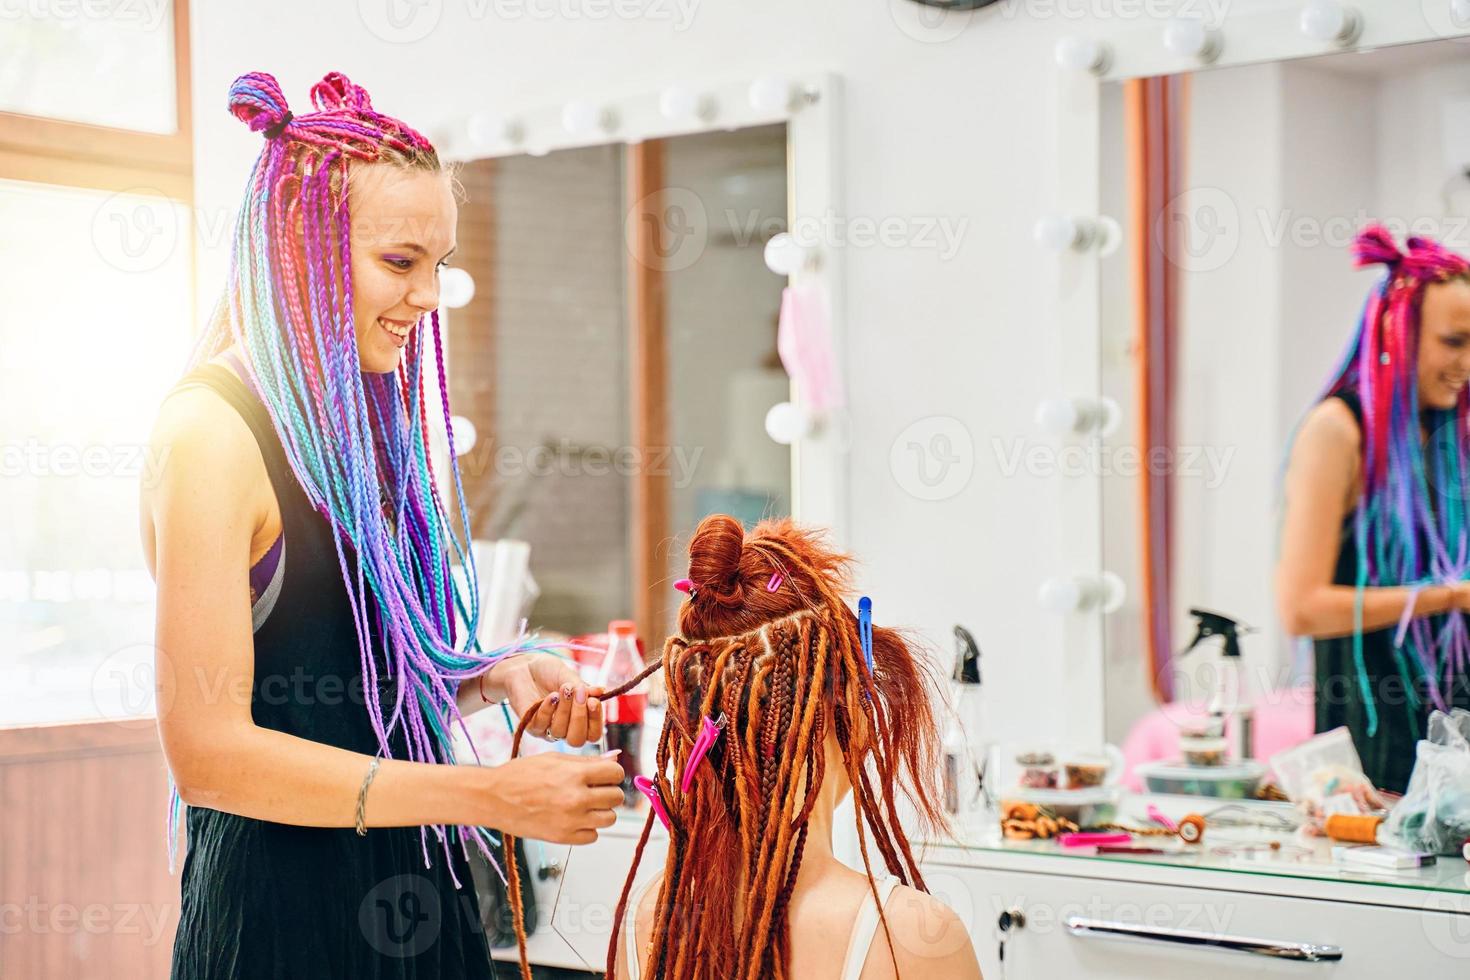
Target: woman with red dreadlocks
<point x="780" y="702"/>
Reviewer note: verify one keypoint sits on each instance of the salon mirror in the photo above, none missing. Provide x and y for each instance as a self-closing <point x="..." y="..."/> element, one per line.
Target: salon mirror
<point x="618" y="359"/>
<point x="1223" y="314"/>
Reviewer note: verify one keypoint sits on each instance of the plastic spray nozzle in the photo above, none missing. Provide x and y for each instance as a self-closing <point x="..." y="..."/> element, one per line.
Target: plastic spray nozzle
<point x="1217" y="624"/>
<point x="967" y="657"/>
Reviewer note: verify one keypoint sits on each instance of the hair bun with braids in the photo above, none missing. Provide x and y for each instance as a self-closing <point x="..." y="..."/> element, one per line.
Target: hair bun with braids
<point x="336" y="91"/>
<point x="714" y="559"/>
<point x="1424" y="258"/>
<point x="344" y="120"/>
<point x="1374" y="245"/>
<point x="256" y="100"/>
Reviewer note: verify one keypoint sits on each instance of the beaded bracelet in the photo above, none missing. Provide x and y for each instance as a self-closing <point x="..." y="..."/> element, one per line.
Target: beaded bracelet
<point x="362" y="797"/>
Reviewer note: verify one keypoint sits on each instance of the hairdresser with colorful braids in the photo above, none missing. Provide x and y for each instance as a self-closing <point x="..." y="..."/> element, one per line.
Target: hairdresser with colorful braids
<point x="1375" y="543"/>
<point x="309" y="673"/>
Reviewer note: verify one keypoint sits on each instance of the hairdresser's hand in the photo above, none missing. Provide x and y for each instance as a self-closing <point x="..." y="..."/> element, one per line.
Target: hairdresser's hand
<point x="563" y="799"/>
<point x="568" y="711"/>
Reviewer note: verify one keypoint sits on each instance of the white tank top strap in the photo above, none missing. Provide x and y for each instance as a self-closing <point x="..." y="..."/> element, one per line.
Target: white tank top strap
<point x="865" y="929"/>
<point x="630" y="928"/>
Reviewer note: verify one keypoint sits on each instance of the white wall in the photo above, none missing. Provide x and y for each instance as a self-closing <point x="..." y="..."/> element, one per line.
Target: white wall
<point x="954" y="129"/>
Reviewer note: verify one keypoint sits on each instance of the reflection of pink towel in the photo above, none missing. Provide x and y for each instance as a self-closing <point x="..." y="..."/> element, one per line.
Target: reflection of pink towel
<point x="1282" y="719"/>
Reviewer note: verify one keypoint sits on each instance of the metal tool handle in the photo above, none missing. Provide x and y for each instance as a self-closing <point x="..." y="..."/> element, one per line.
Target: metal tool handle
<point x="1303" y="952"/>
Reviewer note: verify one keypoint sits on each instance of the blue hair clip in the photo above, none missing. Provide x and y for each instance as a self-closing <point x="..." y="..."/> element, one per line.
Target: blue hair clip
<point x="865" y="629"/>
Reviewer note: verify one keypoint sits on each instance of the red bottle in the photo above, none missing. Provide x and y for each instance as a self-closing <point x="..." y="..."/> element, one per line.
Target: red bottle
<point x="624" y="713"/>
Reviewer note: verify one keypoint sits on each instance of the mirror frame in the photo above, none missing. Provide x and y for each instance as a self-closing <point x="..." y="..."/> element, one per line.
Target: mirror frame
<point x="1259" y="33"/>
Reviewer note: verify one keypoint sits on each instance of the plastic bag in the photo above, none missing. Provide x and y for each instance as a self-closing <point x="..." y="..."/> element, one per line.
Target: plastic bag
<point x="1434" y="815"/>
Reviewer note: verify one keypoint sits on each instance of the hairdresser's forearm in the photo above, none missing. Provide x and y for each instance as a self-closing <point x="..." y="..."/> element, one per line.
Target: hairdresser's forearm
<point x="270" y="775"/>
<point x="1330" y="610"/>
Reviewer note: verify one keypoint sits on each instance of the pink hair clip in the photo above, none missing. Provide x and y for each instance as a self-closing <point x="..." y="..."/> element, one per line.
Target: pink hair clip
<point x="685" y="585"/>
<point x="647" y="787"/>
<point x="774" y="583"/>
<point x="709" y="733"/>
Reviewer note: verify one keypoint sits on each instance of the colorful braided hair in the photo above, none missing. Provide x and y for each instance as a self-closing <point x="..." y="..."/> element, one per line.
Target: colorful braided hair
<point x="1403" y="536"/>
<point x="358" y="443"/>
<point x="785" y="667"/>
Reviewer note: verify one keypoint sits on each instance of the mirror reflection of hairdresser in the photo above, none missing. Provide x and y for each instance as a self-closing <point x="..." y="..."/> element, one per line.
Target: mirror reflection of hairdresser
<point x="1375" y="540"/>
<point x="309" y="674"/>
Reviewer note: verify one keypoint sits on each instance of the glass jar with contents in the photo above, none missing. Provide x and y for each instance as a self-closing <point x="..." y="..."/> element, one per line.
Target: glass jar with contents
<point x="1038" y="770"/>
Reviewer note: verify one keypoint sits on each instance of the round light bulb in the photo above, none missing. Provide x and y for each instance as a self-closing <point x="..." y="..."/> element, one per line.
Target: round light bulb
<point x="786" y="422"/>
<point x="585" y="118"/>
<point x="465" y="434"/>
<point x="1060" y="595"/>
<point x="1188" y="37"/>
<point x="456" y="288"/>
<point x="784" y="255"/>
<point x="1058" y="415"/>
<point x="487" y="129"/>
<point x="1331" y="22"/>
<point x="678" y="104"/>
<point x="771" y="94"/>
<point x="1057" y="232"/>
<point x="1083" y="54"/>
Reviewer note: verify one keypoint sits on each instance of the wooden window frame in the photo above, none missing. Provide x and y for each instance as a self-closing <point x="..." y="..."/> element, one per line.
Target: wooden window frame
<point x="57" y="151"/>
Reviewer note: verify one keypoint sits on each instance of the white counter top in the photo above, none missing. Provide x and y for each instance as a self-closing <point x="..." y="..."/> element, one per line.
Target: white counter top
<point x="1302" y="868"/>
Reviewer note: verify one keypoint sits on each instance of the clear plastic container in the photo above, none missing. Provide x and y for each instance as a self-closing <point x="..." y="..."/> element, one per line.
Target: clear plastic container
<point x="1038" y="770"/>
<point x="1297" y="768"/>
<point x="1084" y="770"/>
<point x="1204" y="750"/>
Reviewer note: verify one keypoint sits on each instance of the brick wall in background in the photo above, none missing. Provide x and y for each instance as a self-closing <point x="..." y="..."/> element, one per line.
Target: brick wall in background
<point x="540" y="360"/>
<point x="471" y="332"/>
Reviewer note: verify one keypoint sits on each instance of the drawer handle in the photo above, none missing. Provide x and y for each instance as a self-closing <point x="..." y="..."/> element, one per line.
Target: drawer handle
<point x="1304" y="952"/>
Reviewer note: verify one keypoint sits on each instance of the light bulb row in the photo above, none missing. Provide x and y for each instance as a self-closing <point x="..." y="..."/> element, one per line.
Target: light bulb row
<point x="769" y="95"/>
<point x="1328" y="22"/>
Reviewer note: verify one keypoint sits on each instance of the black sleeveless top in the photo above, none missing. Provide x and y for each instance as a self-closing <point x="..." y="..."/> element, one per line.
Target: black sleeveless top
<point x="1388" y="756"/>
<point x="270" y="900"/>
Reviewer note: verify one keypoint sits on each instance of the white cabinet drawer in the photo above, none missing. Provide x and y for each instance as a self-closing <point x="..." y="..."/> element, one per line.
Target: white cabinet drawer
<point x="1375" y="942"/>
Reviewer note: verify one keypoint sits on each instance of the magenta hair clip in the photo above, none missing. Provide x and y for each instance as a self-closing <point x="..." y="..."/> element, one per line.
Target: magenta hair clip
<point x="684" y="585"/>
<point x="774" y="583"/>
<point x="709" y="733"/>
<point x="647" y="787"/>
<point x="1092" y="838"/>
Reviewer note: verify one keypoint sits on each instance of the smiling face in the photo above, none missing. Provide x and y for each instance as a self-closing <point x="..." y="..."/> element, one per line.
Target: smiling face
<point x="403" y="223"/>
<point x="1444" y="343"/>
